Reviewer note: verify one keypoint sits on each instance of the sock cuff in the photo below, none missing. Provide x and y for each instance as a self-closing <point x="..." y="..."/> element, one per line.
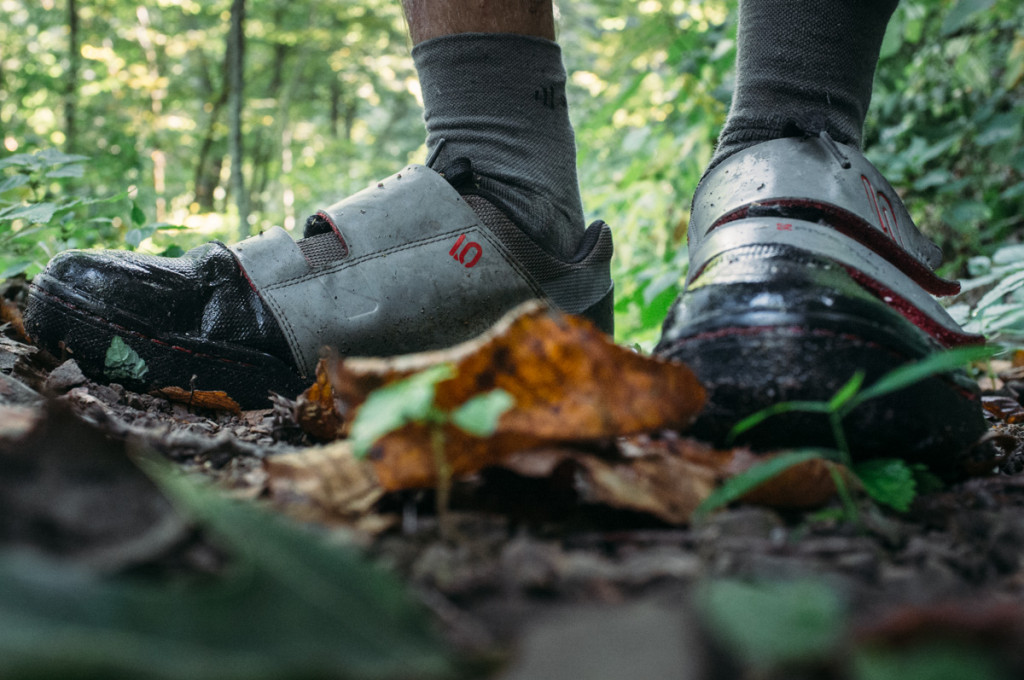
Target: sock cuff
<point x="479" y="51"/>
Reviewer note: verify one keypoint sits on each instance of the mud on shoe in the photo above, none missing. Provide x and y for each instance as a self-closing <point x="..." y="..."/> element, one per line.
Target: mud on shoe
<point x="408" y="264"/>
<point x="805" y="268"/>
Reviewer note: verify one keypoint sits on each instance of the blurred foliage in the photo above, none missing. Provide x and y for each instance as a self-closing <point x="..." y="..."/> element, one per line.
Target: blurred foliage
<point x="332" y="103"/>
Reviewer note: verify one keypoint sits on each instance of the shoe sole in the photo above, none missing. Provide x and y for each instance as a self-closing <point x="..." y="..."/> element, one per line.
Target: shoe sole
<point x="747" y="369"/>
<point x="73" y="327"/>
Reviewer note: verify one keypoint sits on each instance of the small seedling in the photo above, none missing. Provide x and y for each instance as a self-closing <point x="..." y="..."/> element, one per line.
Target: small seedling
<point x="892" y="482"/>
<point x="412" y="400"/>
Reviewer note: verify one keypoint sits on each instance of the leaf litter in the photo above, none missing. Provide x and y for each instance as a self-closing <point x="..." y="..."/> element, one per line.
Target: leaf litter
<point x="495" y="580"/>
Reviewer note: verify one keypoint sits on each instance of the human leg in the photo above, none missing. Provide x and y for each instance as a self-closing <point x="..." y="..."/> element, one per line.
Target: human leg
<point x="805" y="268"/>
<point x="803" y="65"/>
<point x="423" y="259"/>
<point x="493" y="88"/>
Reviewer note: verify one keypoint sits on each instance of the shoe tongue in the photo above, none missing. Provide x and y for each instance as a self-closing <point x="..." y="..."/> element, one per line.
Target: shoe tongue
<point x="315" y="225"/>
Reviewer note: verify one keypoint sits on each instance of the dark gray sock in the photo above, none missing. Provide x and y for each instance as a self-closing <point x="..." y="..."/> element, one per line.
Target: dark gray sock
<point x="499" y="100"/>
<point x="803" y="66"/>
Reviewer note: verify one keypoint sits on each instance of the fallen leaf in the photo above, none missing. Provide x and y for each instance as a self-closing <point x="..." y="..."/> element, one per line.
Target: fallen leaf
<point x="804" y="485"/>
<point x="9" y="313"/>
<point x="989" y="622"/>
<point x="323" y="483"/>
<point x="1002" y="408"/>
<point x="568" y="381"/>
<point x="668" y="479"/>
<point x="316" y="409"/>
<point x="212" y="400"/>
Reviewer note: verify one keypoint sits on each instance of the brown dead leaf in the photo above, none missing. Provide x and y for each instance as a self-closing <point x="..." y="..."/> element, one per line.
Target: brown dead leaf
<point x="568" y="380"/>
<point x="325" y="482"/>
<point x="1004" y="409"/>
<point x="986" y="622"/>
<point x="802" y="486"/>
<point x="668" y="479"/>
<point x="212" y="400"/>
<point x="316" y="410"/>
<point x="9" y="313"/>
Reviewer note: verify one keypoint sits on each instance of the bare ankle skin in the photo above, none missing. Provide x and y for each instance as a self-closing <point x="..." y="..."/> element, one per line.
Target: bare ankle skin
<point x="434" y="18"/>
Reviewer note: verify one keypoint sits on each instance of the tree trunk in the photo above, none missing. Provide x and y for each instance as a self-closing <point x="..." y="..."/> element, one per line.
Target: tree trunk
<point x="149" y="136"/>
<point x="236" y="60"/>
<point x="71" y="82"/>
<point x="207" y="174"/>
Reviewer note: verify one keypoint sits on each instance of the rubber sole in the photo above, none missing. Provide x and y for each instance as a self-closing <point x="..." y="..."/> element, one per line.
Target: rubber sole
<point x="63" y="323"/>
<point x="748" y="369"/>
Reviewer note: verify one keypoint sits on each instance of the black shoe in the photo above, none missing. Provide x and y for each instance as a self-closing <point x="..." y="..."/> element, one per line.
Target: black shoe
<point x="805" y="269"/>
<point x="407" y="265"/>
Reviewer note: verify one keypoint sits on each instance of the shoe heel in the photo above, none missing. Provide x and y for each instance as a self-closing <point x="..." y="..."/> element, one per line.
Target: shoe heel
<point x="602" y="312"/>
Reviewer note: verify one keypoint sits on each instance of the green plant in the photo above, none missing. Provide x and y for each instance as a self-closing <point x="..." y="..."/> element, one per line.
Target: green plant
<point x="892" y="482"/>
<point x="802" y="628"/>
<point x="288" y="605"/>
<point x="34" y="203"/>
<point x="40" y="214"/>
<point x="412" y="400"/>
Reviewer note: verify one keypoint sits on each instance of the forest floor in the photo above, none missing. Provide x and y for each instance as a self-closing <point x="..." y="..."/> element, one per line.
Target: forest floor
<point x="554" y="587"/>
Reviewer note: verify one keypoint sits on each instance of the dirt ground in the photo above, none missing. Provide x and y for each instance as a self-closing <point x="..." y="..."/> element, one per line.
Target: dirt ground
<point x="547" y="585"/>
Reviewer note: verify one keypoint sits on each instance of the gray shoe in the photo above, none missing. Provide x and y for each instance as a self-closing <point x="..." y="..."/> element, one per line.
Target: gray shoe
<point x="805" y="268"/>
<point x="419" y="261"/>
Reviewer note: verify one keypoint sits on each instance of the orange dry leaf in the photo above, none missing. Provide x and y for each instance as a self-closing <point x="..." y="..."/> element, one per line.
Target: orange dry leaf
<point x="568" y="380"/>
<point x="9" y="313"/>
<point x="213" y="400"/>
<point x="316" y="410"/>
<point x="1003" y="408"/>
<point x="802" y="486"/>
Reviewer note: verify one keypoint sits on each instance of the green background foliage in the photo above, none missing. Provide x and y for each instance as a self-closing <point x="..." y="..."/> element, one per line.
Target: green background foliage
<point x="332" y="103"/>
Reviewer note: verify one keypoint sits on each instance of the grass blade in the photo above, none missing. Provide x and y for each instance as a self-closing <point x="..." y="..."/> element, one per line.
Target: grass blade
<point x="734" y="488"/>
<point x="904" y="376"/>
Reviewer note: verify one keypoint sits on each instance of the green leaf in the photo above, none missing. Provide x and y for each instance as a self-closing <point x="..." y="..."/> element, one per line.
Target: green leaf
<point x="138" y="216"/>
<point x="15" y="269"/>
<point x="53" y="157"/>
<point x="1003" y="288"/>
<point x="19" y="160"/>
<point x="736" y="487"/>
<point x="846" y="392"/>
<point x="133" y="237"/>
<point x="771" y="624"/>
<point x="962" y="13"/>
<point x="123" y="363"/>
<point x="13" y="182"/>
<point x="35" y="213"/>
<point x="889" y="481"/>
<point x="290" y="605"/>
<point x="395" y="405"/>
<point x="479" y="416"/>
<point x="904" y="376"/>
<point x="76" y="170"/>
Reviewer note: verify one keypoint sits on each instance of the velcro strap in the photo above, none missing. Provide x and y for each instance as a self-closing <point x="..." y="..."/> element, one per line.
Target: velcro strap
<point x="801" y="177"/>
<point x="270" y="257"/>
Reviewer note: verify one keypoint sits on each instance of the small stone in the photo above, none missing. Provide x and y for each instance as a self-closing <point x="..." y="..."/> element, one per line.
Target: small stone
<point x="64" y="377"/>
